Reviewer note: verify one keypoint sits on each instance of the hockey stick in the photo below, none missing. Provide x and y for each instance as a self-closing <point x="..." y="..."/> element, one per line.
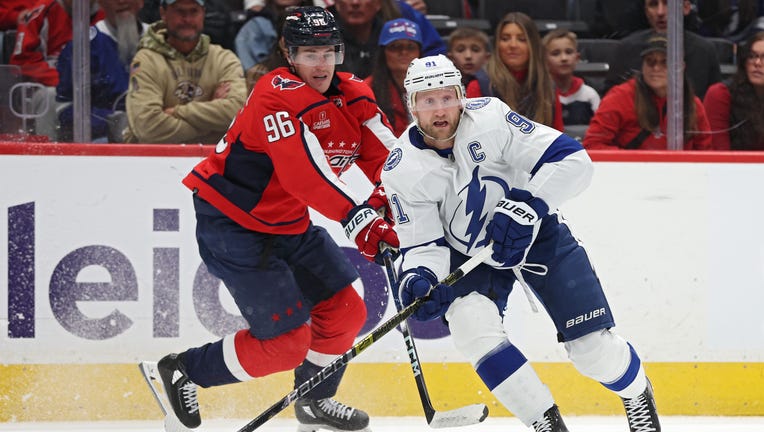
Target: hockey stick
<point x="463" y="416"/>
<point x="359" y="347"/>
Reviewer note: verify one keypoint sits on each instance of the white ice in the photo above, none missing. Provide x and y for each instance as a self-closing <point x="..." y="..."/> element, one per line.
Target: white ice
<point x="414" y="424"/>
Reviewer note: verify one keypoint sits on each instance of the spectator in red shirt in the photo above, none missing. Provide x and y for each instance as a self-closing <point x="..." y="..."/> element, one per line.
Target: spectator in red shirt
<point x="699" y="54"/>
<point x="632" y="115"/>
<point x="735" y="107"/>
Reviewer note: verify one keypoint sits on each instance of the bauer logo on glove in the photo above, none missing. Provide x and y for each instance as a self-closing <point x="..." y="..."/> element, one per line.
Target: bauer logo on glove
<point x="363" y="216"/>
<point x="519" y="211"/>
<point x="369" y="232"/>
<point x="514" y="226"/>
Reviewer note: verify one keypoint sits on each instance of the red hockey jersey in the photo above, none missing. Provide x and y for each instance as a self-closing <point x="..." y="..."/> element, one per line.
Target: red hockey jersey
<point x="286" y="148"/>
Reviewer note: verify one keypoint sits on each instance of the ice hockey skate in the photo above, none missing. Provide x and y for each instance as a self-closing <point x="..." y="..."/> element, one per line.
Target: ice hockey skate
<point x="552" y="422"/>
<point x="331" y="415"/>
<point x="641" y="412"/>
<point x="174" y="392"/>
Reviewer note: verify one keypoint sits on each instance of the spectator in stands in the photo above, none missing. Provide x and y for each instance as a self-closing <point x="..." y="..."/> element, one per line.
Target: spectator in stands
<point x="42" y="32"/>
<point x="218" y="23"/>
<point x="419" y="5"/>
<point x="401" y="40"/>
<point x="254" y="5"/>
<point x="361" y="23"/>
<point x="730" y="19"/>
<point x="699" y="54"/>
<point x="183" y="89"/>
<point x="735" y="107"/>
<point x="615" y="19"/>
<point x="518" y="73"/>
<point x="257" y="37"/>
<point x="633" y="114"/>
<point x="470" y="49"/>
<point x="275" y="59"/>
<point x="579" y="101"/>
<point x="113" y="43"/>
<point x="9" y="12"/>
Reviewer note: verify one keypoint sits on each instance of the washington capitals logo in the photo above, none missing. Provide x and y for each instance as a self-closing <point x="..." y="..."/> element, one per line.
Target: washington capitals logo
<point x="285" y="83"/>
<point x="467" y="224"/>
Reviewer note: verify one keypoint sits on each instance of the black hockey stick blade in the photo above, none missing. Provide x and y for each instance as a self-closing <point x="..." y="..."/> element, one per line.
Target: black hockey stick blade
<point x="359" y="347"/>
<point x="462" y="416"/>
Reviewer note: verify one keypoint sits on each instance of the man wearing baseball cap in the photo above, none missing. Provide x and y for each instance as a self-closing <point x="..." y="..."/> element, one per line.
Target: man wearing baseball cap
<point x="183" y="89"/>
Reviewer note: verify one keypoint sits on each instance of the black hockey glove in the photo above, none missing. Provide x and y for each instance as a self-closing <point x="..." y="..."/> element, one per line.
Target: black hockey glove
<point x="416" y="283"/>
<point x="513" y="227"/>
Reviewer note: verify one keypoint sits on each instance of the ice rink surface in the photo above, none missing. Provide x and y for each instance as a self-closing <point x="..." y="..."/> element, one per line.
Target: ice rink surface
<point x="416" y="424"/>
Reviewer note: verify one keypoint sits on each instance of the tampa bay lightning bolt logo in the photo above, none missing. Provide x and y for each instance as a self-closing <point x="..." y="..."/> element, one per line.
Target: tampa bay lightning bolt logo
<point x="285" y="83"/>
<point x="393" y="159"/>
<point x="468" y="221"/>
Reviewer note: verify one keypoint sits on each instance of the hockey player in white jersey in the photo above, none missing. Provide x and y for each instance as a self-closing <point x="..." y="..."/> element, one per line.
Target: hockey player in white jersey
<point x="469" y="172"/>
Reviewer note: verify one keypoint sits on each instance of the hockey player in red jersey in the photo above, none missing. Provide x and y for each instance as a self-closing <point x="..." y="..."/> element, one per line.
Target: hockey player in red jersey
<point x="301" y="127"/>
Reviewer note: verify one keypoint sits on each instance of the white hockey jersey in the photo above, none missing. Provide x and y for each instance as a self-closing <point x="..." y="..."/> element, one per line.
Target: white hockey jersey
<point x="446" y="198"/>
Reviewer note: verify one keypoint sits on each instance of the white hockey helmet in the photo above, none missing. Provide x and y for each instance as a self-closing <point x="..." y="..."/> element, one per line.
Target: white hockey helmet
<point x="430" y="73"/>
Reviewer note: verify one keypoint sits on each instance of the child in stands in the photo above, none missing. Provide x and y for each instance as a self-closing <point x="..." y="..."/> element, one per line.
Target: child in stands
<point x="470" y="49"/>
<point x="579" y="100"/>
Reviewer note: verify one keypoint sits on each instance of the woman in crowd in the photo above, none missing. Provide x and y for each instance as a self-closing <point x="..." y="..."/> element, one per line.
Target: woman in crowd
<point x="632" y="115"/>
<point x="401" y="42"/>
<point x="735" y="107"/>
<point x="518" y="73"/>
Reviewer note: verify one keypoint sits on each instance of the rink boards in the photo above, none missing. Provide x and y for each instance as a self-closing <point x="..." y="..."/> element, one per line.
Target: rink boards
<point x="100" y="270"/>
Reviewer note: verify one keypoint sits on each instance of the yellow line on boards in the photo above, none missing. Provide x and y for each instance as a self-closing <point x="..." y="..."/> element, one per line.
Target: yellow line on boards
<point x="66" y="392"/>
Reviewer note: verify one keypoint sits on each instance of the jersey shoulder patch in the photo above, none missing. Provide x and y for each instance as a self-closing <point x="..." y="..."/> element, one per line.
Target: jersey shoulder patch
<point x="477" y="103"/>
<point x="393" y="159"/>
<point x="282" y="83"/>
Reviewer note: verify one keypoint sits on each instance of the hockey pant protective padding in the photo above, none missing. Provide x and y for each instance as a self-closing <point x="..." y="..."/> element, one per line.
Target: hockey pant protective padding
<point x="241" y="357"/>
<point x="334" y="324"/>
<point x="606" y="357"/>
<point x="478" y="333"/>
